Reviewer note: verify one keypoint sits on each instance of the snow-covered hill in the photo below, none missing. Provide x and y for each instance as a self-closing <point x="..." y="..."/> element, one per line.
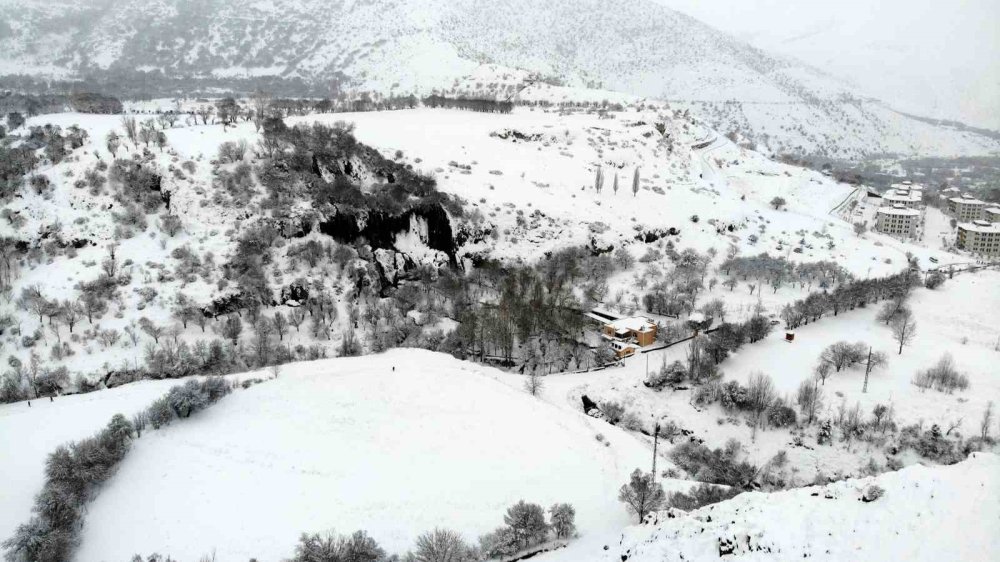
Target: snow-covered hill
<point x="394" y="46"/>
<point x="397" y="444"/>
<point x="924" y="514"/>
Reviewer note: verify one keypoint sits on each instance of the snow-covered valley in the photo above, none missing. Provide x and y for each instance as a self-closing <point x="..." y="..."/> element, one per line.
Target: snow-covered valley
<point x="425" y="314"/>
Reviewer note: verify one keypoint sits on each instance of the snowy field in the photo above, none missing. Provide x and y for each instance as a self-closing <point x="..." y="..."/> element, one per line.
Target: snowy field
<point x="351" y="444"/>
<point x="29" y="433"/>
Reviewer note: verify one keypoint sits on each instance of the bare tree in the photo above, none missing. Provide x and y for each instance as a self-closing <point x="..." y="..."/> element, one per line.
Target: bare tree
<point x="204" y="111"/>
<point x="442" y="545"/>
<point x="71" y="312"/>
<point x="810" y="399"/>
<point x="642" y="494"/>
<point x="297" y="316"/>
<point x="259" y="103"/>
<point x="151" y="329"/>
<point x="876" y="360"/>
<point x="904" y="327"/>
<point x="533" y="384"/>
<point x="984" y="424"/>
<point x="131" y="129"/>
<point x="760" y="396"/>
<point x="280" y="325"/>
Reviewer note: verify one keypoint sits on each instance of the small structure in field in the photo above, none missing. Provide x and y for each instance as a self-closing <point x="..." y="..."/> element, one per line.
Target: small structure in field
<point x="626" y="335"/>
<point x="635" y="329"/>
<point x="790" y="336"/>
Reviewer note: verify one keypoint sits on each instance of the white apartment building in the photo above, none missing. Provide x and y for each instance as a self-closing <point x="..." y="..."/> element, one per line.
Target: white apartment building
<point x="979" y="237"/>
<point x="902" y="197"/>
<point x="966" y="208"/>
<point x="897" y="220"/>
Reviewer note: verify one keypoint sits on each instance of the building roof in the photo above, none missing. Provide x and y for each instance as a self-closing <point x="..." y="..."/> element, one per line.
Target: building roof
<point x="634" y="324"/>
<point x="968" y="200"/>
<point x="895" y="195"/>
<point x="898" y="211"/>
<point x="984" y="227"/>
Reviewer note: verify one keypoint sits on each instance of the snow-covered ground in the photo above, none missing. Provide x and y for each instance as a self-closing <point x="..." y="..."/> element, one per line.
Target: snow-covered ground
<point x="350" y="444"/>
<point x="535" y="196"/>
<point x="924" y="514"/>
<point x="958" y="318"/>
<point x="29" y="433"/>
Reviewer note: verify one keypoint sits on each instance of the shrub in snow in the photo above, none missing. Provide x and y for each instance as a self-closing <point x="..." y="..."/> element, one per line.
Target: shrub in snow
<point x="613" y="412"/>
<point x="160" y="413"/>
<point x="733" y="396"/>
<point x="500" y="543"/>
<point x="631" y="422"/>
<point x="667" y="375"/>
<point x="872" y="493"/>
<point x="187" y="399"/>
<point x="825" y="434"/>
<point x="934" y="280"/>
<point x="780" y="415"/>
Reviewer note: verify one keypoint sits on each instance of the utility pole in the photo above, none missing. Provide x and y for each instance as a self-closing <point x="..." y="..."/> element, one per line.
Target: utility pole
<point x="656" y="440"/>
<point x="868" y="370"/>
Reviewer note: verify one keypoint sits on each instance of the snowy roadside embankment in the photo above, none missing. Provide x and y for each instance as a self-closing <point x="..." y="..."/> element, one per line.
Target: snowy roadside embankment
<point x="924" y="513"/>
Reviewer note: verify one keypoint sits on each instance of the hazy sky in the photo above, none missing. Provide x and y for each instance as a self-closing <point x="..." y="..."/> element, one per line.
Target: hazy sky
<point x="936" y="57"/>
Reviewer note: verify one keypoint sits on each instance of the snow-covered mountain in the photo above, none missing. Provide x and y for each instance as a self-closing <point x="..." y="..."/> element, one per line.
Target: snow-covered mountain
<point x="640" y="47"/>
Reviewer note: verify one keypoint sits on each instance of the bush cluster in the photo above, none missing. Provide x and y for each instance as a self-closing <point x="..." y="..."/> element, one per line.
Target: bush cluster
<point x="700" y="496"/>
<point x="718" y="466"/>
<point x="943" y="376"/>
<point x="72" y="473"/>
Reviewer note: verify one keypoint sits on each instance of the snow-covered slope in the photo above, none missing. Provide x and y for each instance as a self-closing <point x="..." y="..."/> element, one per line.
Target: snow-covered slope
<point x="396" y="444"/>
<point x="395" y="46"/>
<point x="925" y="514"/>
<point x="28" y="433"/>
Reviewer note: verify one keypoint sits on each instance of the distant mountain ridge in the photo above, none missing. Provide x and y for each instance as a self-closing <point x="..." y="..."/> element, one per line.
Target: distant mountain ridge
<point x="634" y="46"/>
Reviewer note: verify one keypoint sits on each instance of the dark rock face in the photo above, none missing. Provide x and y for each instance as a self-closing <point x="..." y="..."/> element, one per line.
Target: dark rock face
<point x="650" y="236"/>
<point x="597" y="247"/>
<point x="393" y="267"/>
<point x="228" y="304"/>
<point x="294" y="292"/>
<point x="380" y="229"/>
